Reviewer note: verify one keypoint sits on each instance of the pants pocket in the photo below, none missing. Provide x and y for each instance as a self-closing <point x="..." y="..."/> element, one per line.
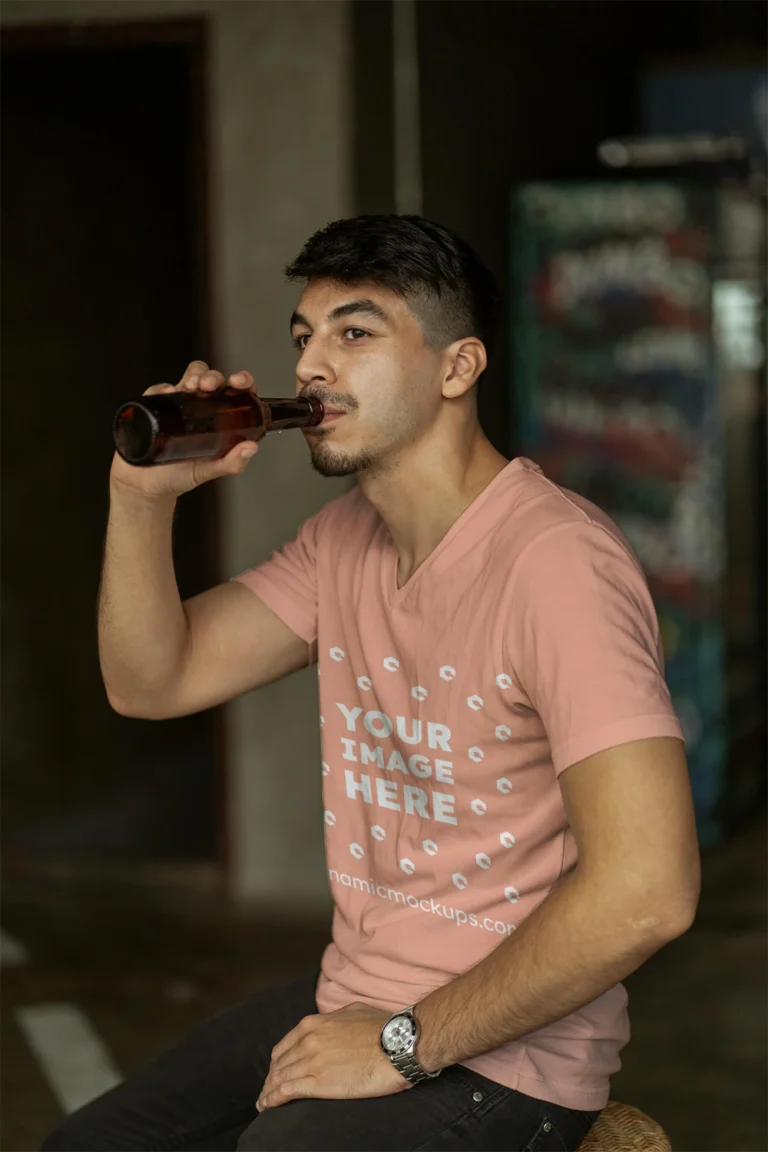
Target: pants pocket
<point x="547" y="1138"/>
<point x="553" y="1135"/>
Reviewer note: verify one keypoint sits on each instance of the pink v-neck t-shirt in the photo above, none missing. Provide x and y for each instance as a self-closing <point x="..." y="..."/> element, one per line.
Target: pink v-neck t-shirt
<point x="524" y="643"/>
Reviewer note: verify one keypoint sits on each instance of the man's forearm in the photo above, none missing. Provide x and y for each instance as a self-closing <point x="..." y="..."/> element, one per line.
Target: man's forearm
<point x="578" y="943"/>
<point x="141" y="623"/>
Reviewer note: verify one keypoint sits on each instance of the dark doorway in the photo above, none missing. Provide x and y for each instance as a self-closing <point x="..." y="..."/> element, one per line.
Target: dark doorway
<point x="103" y="268"/>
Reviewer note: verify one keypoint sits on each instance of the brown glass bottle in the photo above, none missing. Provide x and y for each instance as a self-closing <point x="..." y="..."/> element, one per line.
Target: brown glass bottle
<point x="174" y="426"/>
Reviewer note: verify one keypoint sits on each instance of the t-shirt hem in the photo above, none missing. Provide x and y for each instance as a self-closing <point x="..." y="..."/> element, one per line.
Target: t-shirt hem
<point x="511" y="1071"/>
<point x="283" y="606"/>
<point x="552" y="1091"/>
<point x="613" y="735"/>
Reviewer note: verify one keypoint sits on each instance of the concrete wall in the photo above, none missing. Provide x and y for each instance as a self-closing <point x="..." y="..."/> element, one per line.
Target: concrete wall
<point x="280" y="142"/>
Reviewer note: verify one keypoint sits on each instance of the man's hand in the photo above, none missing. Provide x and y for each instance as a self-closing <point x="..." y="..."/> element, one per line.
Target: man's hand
<point x="173" y="480"/>
<point x="335" y="1056"/>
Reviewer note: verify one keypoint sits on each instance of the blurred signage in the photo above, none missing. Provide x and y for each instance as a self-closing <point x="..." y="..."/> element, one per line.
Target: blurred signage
<point x="617" y="399"/>
<point x="680" y="100"/>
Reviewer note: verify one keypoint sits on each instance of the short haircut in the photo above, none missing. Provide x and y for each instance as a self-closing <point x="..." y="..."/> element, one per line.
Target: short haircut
<point x="439" y="276"/>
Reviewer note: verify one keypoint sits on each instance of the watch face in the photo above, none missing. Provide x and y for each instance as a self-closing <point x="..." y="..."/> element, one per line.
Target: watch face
<point x="398" y="1033"/>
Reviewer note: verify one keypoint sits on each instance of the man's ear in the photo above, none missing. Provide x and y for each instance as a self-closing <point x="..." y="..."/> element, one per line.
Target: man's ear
<point x="467" y="360"/>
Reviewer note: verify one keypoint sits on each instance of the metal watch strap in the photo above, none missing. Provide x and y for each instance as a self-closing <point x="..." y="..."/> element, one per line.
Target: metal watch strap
<point x="406" y="1062"/>
<point x="408" y="1066"/>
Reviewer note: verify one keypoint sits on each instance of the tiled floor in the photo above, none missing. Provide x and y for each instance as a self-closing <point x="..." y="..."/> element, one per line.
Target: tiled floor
<point x="146" y="969"/>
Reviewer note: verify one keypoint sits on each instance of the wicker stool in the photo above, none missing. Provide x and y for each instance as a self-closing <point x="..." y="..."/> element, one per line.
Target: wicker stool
<point x="621" y="1128"/>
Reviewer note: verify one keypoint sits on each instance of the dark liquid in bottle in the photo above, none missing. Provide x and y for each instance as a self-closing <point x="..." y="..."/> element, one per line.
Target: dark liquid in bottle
<point x="174" y="426"/>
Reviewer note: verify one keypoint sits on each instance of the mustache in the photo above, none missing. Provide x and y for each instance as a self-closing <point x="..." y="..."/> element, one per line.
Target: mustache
<point x="329" y="399"/>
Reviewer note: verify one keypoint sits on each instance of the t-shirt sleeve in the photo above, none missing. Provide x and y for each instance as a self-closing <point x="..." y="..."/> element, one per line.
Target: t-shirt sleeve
<point x="287" y="582"/>
<point x="583" y="641"/>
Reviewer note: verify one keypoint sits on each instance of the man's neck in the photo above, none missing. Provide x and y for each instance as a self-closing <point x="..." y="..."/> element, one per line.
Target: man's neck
<point x="422" y="495"/>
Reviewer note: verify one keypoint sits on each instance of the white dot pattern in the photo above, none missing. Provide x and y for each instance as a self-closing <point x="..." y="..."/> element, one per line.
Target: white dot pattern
<point x="476" y="753"/>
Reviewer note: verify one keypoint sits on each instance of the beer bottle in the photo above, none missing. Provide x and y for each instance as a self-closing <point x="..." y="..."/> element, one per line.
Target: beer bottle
<point x="173" y="426"/>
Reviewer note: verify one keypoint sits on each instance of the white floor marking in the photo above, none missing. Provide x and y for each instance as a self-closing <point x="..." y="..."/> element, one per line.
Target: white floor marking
<point x="73" y="1058"/>
<point x="12" y="951"/>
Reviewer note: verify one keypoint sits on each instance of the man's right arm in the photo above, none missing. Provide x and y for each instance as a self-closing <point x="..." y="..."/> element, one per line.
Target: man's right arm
<point x="160" y="657"/>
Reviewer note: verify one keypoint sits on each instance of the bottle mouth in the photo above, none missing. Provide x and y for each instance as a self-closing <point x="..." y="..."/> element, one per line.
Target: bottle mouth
<point x="134" y="431"/>
<point x="317" y="409"/>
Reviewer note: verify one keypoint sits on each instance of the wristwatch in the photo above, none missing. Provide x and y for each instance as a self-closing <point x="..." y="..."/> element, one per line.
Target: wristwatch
<point x="398" y="1042"/>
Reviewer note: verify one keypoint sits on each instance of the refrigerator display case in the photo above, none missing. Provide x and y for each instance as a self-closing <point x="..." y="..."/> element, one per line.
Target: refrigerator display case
<point x="639" y="379"/>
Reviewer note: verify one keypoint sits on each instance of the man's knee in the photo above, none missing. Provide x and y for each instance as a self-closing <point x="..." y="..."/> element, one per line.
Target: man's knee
<point x="248" y="1140"/>
<point x="74" y="1134"/>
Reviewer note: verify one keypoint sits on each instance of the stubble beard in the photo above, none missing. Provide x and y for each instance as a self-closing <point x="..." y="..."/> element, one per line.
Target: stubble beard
<point x="330" y="463"/>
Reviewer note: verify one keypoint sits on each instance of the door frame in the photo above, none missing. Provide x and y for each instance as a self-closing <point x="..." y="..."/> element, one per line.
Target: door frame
<point x="193" y="33"/>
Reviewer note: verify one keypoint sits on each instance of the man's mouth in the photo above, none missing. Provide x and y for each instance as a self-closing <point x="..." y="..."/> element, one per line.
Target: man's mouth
<point x="330" y="415"/>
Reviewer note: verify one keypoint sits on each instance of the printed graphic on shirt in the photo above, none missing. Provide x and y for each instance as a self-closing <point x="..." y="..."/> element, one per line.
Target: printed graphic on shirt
<point x="368" y="746"/>
<point x="392" y="767"/>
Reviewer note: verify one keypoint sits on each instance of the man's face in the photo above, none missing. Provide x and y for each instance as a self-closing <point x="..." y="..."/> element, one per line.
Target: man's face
<point x="363" y="354"/>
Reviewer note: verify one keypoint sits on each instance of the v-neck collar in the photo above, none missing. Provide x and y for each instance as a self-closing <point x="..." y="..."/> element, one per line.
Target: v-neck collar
<point x="398" y="595"/>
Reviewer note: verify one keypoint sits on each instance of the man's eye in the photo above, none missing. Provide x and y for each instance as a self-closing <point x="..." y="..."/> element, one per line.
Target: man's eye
<point x="355" y="334"/>
<point x="299" y="342"/>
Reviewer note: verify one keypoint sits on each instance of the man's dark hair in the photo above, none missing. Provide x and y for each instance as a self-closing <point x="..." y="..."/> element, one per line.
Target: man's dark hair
<point x="440" y="277"/>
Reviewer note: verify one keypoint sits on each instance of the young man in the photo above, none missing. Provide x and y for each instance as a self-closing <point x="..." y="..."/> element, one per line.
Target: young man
<point x="509" y="823"/>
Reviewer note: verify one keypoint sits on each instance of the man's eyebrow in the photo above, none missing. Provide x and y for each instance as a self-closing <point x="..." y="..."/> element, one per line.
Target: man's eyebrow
<point x="297" y="318"/>
<point x="360" y="308"/>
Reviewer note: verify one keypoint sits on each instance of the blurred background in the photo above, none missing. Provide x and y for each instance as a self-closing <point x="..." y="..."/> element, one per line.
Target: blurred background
<point x="162" y="160"/>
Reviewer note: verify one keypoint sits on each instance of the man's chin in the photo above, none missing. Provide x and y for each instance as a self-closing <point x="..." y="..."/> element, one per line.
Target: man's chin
<point x="333" y="462"/>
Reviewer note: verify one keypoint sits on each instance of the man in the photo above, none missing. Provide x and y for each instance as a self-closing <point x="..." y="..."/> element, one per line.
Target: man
<point x="509" y="823"/>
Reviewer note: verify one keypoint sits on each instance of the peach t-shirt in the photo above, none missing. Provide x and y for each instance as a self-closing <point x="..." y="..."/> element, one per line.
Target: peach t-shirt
<point x="524" y="643"/>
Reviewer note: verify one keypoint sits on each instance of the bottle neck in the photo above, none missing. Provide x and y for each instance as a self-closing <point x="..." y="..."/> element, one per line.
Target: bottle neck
<point x="302" y="412"/>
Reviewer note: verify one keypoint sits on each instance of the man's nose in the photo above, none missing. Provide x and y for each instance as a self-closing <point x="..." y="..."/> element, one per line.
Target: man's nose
<point x="314" y="366"/>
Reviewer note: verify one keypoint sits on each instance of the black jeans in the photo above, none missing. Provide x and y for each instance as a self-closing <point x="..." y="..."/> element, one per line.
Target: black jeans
<point x="202" y="1096"/>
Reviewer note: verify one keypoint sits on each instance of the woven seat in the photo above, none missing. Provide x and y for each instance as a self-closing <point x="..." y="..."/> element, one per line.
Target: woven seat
<point x="621" y="1128"/>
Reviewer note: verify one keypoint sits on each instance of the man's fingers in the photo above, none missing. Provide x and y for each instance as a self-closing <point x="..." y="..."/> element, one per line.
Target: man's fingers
<point x="234" y="462"/>
<point x="156" y="389"/>
<point x="199" y="378"/>
<point x="211" y="380"/>
<point x="295" y="1069"/>
<point x="196" y="368"/>
<point x="295" y="1089"/>
<point x="290" y="1038"/>
<point x="242" y="380"/>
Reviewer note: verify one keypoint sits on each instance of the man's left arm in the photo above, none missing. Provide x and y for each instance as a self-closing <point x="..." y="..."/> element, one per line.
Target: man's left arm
<point x="635" y="888"/>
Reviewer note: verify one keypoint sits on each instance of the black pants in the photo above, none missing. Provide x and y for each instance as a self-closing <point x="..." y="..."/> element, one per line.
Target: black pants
<point x="202" y="1095"/>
